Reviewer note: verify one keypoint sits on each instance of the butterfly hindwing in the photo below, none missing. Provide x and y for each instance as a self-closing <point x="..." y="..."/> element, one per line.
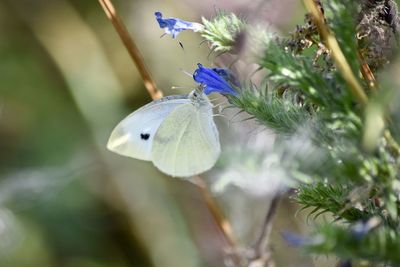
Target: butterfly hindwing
<point x="187" y="142"/>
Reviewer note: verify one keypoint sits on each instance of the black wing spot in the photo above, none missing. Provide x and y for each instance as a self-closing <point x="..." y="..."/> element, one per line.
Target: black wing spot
<point x="181" y="45"/>
<point x="144" y="136"/>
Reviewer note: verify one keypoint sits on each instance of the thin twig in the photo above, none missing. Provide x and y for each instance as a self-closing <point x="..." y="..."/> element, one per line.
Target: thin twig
<point x="261" y="242"/>
<point x="223" y="224"/>
<point x="336" y="52"/>
<point x="392" y="143"/>
<point x="130" y="45"/>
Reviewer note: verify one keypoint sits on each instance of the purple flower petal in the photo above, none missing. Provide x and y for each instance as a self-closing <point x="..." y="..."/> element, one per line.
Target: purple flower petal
<point x="227" y="75"/>
<point x="294" y="239"/>
<point x="213" y="80"/>
<point x="174" y="26"/>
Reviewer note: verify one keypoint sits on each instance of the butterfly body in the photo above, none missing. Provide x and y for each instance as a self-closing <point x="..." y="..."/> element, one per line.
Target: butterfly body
<point x="176" y="133"/>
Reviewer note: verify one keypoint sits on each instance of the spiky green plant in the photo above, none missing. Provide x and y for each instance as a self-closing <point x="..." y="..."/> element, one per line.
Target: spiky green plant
<point x="357" y="180"/>
<point x="222" y="31"/>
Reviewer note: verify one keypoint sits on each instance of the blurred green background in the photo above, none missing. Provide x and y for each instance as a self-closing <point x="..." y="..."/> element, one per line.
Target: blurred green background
<point x="65" y="82"/>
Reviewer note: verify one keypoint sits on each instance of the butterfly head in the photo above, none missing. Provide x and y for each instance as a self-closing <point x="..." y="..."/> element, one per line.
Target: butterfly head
<point x="199" y="98"/>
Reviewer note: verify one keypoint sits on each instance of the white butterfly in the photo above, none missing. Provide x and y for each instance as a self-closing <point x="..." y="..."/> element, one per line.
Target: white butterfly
<point x="177" y="133"/>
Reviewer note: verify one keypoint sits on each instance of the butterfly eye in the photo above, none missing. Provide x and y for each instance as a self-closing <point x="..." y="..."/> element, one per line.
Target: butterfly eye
<point x="194" y="94"/>
<point x="144" y="136"/>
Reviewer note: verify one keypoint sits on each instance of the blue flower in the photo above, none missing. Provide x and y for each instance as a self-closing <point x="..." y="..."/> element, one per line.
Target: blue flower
<point x="346" y="264"/>
<point x="360" y="229"/>
<point x="215" y="80"/>
<point x="294" y="239"/>
<point x="227" y="75"/>
<point x="174" y="26"/>
<point x="299" y="241"/>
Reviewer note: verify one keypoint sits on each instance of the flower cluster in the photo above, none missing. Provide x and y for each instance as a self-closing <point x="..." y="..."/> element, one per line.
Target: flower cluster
<point x="214" y="80"/>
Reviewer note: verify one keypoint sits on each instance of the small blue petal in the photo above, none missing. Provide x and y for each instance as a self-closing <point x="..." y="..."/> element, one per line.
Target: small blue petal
<point x="213" y="80"/>
<point x="346" y="264"/>
<point x="298" y="240"/>
<point x="174" y="26"/>
<point x="295" y="240"/>
<point x="360" y="229"/>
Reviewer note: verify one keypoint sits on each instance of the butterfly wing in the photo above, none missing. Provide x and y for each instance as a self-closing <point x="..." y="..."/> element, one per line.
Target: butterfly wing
<point x="133" y="136"/>
<point x="187" y="142"/>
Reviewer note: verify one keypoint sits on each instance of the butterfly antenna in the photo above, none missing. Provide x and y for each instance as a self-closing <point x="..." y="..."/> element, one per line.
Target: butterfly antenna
<point x="181" y="87"/>
<point x="217" y="99"/>
<point x="187" y="73"/>
<point x="162" y="35"/>
<point x="219" y="105"/>
<point x="214" y="99"/>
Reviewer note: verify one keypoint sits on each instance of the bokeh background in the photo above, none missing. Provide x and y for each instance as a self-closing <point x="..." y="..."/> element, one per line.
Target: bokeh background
<point x="65" y="81"/>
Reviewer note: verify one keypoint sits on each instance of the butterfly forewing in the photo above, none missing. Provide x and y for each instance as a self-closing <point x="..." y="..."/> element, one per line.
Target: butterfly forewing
<point x="133" y="136"/>
<point x="187" y="142"/>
